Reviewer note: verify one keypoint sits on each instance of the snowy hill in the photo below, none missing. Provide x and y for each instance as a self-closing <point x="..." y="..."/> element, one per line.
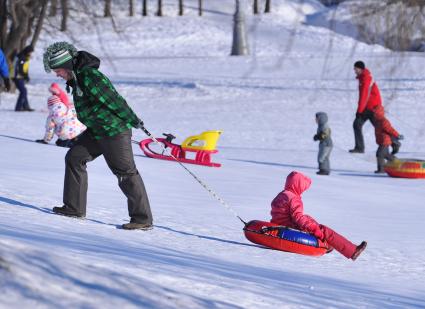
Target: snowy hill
<point x="176" y="74"/>
<point x="394" y="24"/>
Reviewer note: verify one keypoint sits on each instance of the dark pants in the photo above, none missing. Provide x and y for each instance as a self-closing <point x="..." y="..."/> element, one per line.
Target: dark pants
<point x="22" y="103"/>
<point x="118" y="154"/>
<point x="358" y="125"/>
<point x="383" y="154"/>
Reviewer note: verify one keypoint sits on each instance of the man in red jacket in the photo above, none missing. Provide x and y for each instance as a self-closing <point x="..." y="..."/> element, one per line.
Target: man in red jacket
<point x="369" y="99"/>
<point x="288" y="210"/>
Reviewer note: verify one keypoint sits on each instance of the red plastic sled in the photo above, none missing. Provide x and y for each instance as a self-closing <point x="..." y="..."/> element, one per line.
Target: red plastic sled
<point x="180" y="152"/>
<point x="284" y="238"/>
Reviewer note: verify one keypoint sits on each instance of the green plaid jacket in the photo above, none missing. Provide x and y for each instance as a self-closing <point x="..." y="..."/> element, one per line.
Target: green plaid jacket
<point x="100" y="107"/>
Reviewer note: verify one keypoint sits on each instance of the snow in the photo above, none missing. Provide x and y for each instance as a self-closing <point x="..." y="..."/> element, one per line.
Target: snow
<point x="395" y="24"/>
<point x="176" y="74"/>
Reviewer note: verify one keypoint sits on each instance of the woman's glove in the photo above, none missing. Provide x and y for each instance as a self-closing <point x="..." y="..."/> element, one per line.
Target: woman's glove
<point x="6" y="83"/>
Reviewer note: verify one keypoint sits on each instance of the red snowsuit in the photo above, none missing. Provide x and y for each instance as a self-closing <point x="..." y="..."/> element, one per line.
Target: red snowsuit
<point x="383" y="128"/>
<point x="369" y="96"/>
<point x="288" y="210"/>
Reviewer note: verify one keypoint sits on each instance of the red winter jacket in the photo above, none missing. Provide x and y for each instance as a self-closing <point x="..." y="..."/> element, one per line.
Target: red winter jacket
<point x="383" y="128"/>
<point x="369" y="96"/>
<point x="288" y="209"/>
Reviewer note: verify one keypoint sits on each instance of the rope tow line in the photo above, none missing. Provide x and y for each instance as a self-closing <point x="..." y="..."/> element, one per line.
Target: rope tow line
<point x="212" y="192"/>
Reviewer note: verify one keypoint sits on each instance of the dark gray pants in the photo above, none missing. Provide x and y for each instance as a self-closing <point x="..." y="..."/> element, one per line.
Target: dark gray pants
<point x="383" y="154"/>
<point x="358" y="125"/>
<point x="323" y="158"/>
<point x="118" y="154"/>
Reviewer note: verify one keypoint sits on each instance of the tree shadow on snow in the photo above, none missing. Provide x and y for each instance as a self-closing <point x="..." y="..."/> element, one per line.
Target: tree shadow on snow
<point x="25" y="139"/>
<point x="208" y="237"/>
<point x="46" y="210"/>
<point x="289" y="165"/>
<point x="365" y="175"/>
<point x="133" y="288"/>
<point x="20" y="204"/>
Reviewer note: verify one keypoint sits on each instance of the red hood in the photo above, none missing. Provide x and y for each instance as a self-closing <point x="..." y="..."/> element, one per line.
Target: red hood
<point x="297" y="183"/>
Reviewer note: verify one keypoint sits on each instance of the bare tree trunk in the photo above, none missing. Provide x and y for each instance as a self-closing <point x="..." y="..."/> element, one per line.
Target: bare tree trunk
<point x="26" y="35"/>
<point x="145" y="8"/>
<point x="65" y="13"/>
<point x="21" y="18"/>
<point x="53" y="7"/>
<point x="181" y="8"/>
<point x="159" y="11"/>
<point x="268" y="6"/>
<point x="107" y="10"/>
<point x="131" y="4"/>
<point x="3" y="23"/>
<point x="255" y="7"/>
<point x="200" y="7"/>
<point x="39" y="26"/>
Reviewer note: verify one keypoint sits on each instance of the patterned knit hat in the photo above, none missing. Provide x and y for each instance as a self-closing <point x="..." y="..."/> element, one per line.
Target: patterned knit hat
<point x="59" y="55"/>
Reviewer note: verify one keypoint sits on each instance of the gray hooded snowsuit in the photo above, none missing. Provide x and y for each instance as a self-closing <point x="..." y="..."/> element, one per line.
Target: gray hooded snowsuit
<point x="326" y="145"/>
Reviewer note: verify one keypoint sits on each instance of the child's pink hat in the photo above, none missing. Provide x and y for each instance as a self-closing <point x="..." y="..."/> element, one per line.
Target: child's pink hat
<point x="55" y="89"/>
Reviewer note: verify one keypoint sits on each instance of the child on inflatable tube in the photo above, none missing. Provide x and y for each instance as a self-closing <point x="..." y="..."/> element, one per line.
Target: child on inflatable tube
<point x="288" y="210"/>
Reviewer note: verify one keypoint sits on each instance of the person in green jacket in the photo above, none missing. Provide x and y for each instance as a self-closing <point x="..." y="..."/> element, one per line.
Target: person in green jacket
<point x="109" y="120"/>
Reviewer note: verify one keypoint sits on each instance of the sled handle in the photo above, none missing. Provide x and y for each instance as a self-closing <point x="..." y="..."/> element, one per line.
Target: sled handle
<point x="271" y="228"/>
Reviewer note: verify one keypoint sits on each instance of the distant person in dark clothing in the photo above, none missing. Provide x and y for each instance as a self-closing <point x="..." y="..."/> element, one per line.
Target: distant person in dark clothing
<point x="369" y="99"/>
<point x="4" y="71"/>
<point x="20" y="77"/>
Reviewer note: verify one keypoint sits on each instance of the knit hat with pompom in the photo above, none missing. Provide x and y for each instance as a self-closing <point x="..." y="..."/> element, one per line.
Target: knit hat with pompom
<point x="59" y="55"/>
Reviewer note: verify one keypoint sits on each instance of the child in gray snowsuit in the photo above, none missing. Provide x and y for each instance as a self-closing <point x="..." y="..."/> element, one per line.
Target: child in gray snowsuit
<point x="325" y="146"/>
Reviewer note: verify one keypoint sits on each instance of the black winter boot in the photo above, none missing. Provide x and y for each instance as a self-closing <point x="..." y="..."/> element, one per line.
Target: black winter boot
<point x="360" y="248"/>
<point x="380" y="171"/>
<point x="137" y="226"/>
<point x="67" y="211"/>
<point x="323" y="172"/>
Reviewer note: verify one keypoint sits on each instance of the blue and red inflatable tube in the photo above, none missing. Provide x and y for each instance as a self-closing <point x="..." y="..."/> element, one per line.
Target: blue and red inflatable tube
<point x="284" y="238"/>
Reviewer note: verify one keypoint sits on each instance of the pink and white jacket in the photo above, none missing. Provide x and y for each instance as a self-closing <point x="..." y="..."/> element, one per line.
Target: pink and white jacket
<point x="62" y="119"/>
<point x="288" y="208"/>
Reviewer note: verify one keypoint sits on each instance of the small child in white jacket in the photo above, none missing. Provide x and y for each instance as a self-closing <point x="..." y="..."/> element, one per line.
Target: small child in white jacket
<point x="62" y="119"/>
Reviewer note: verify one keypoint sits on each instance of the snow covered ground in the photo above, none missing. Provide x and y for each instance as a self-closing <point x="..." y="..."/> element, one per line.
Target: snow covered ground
<point x="176" y="74"/>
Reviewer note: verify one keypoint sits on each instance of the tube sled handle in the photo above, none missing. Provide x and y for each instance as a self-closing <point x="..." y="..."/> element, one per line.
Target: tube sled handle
<point x="169" y="137"/>
<point x="271" y="228"/>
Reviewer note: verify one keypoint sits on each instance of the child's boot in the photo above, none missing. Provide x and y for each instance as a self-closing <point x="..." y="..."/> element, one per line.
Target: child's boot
<point x="360" y="248"/>
<point x="381" y="163"/>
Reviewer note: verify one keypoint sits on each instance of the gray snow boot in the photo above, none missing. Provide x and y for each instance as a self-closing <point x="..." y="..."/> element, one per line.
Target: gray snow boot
<point x="137" y="226"/>
<point x="67" y="211"/>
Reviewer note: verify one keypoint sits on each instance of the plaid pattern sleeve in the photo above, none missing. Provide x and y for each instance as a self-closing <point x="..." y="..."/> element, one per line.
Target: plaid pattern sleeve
<point x="101" y="108"/>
